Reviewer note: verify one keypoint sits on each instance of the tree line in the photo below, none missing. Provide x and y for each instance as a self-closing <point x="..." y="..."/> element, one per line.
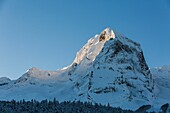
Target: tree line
<point x="55" y="106"/>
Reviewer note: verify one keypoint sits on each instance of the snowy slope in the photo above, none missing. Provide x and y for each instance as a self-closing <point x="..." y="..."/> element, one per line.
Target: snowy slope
<point x="4" y="81"/>
<point x="110" y="68"/>
<point x="39" y="84"/>
<point x="162" y="84"/>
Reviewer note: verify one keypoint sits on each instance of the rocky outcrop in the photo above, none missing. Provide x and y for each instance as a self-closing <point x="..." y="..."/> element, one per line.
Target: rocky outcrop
<point x="106" y="35"/>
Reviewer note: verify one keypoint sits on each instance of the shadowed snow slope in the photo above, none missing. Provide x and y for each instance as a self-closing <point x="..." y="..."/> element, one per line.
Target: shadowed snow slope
<point x="110" y="68"/>
<point x="4" y="80"/>
<point x="161" y="77"/>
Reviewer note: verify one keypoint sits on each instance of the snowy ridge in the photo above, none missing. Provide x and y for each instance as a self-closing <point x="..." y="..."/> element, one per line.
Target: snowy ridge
<point x="4" y="80"/>
<point x="93" y="47"/>
<point x="110" y="68"/>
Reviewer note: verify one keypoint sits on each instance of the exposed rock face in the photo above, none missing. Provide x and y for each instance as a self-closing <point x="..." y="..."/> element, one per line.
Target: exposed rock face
<point x="143" y="109"/>
<point x="106" y="35"/>
<point x="164" y="108"/>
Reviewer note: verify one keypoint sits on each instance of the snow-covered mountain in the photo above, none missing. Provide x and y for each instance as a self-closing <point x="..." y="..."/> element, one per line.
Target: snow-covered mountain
<point x="110" y="68"/>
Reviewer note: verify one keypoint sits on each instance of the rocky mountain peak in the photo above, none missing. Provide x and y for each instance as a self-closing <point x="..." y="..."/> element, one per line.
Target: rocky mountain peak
<point x="106" y="35"/>
<point x="93" y="47"/>
<point x="112" y="64"/>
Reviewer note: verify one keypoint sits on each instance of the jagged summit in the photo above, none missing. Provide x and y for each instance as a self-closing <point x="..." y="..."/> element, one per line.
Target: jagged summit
<point x="94" y="45"/>
<point x="109" y="33"/>
<point x="106" y="35"/>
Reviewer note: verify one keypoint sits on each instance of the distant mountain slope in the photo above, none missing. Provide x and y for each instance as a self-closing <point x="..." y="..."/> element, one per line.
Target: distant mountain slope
<point x="162" y="84"/>
<point x="4" y="81"/>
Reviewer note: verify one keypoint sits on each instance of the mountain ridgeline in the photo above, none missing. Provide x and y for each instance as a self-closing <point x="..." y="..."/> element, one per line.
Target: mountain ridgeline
<point x="110" y="68"/>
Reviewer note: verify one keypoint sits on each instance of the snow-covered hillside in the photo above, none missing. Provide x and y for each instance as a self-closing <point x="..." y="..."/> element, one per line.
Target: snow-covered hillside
<point x="162" y="84"/>
<point x="4" y="80"/>
<point x="110" y="68"/>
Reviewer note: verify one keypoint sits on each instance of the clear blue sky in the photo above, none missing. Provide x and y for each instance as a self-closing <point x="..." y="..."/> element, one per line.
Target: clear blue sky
<point x="48" y="33"/>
